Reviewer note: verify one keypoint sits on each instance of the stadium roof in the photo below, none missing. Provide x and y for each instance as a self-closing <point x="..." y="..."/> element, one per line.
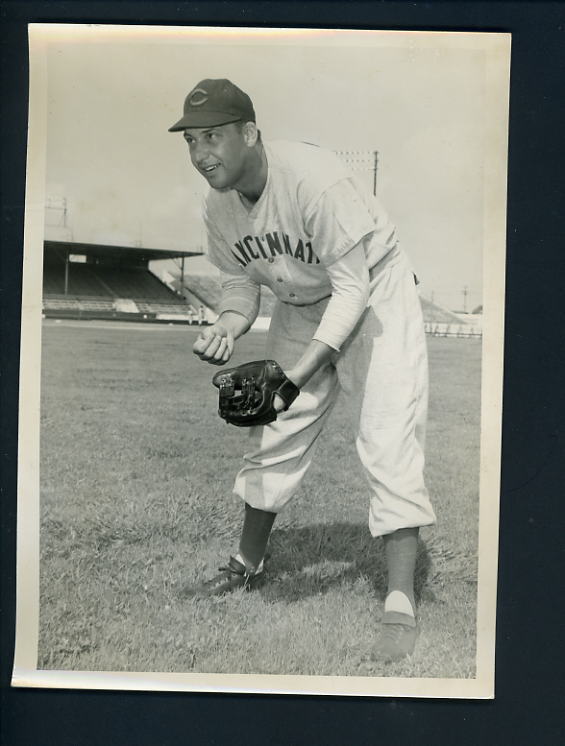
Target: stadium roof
<point x="95" y="249"/>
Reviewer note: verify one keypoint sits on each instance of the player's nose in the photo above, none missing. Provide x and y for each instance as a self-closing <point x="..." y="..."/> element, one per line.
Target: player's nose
<point x="199" y="154"/>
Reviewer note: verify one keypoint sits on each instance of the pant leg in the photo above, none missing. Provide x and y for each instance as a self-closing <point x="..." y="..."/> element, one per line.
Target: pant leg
<point x="384" y="369"/>
<point x="280" y="453"/>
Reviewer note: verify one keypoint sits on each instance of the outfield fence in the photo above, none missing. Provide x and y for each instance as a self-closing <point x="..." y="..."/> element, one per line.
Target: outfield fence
<point x="464" y="331"/>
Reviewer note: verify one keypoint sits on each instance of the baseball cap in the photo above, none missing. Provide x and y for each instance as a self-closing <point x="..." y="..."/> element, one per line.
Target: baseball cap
<point x="213" y="102"/>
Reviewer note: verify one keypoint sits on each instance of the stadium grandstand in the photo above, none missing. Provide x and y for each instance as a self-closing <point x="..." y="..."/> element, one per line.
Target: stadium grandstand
<point x="82" y="280"/>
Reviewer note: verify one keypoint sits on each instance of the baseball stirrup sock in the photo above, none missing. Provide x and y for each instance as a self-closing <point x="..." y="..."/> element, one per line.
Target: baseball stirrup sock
<point x="401" y="548"/>
<point x="257" y="525"/>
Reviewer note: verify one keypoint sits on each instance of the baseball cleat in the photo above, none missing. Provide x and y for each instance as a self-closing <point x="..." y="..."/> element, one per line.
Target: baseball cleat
<point x="233" y="577"/>
<point x="397" y="638"/>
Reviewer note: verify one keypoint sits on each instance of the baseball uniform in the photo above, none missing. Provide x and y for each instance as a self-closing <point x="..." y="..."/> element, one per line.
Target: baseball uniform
<point x="312" y="231"/>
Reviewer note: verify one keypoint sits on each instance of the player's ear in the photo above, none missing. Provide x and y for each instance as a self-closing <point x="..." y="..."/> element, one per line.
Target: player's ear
<point x="250" y="133"/>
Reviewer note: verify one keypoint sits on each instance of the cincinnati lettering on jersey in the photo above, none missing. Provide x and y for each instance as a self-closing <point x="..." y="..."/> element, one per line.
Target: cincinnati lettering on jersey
<point x="271" y="244"/>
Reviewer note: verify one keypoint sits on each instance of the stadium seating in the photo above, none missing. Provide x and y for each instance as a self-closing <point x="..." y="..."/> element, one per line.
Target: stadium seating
<point x="86" y="280"/>
<point x="100" y="289"/>
<point x="57" y="303"/>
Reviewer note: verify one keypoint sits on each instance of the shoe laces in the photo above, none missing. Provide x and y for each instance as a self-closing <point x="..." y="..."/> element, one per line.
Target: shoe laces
<point x="229" y="572"/>
<point x="247" y="578"/>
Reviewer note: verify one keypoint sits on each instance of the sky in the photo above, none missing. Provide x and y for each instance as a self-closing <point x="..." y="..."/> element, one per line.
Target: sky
<point x="419" y="99"/>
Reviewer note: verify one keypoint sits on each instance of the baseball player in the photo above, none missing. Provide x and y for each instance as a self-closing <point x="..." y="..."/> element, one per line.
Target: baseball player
<point x="348" y="317"/>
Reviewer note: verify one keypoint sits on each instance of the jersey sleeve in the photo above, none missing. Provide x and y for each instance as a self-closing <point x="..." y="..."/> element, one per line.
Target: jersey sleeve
<point x="339" y="219"/>
<point x="240" y="293"/>
<point x="349" y="277"/>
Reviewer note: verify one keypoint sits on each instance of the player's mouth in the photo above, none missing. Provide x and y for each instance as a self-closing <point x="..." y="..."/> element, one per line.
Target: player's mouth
<point x="210" y="169"/>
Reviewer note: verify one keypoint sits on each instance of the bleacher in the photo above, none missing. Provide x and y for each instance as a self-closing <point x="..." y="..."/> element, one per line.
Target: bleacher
<point x="58" y="302"/>
<point x="109" y="282"/>
<point x="93" y="281"/>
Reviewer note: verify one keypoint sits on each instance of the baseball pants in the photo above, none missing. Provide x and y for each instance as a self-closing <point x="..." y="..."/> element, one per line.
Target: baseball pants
<point x="383" y="370"/>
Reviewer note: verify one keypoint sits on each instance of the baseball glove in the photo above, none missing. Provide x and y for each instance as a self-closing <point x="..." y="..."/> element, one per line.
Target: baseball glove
<point x="247" y="392"/>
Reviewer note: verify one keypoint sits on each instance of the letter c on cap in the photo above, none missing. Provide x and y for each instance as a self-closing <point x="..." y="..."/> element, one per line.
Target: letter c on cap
<point x="195" y="99"/>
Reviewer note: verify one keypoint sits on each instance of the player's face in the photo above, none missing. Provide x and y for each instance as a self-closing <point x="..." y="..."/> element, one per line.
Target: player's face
<point x="220" y="154"/>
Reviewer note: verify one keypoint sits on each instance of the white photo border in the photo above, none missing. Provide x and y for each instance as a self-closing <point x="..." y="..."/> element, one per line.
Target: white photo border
<point x="25" y="672"/>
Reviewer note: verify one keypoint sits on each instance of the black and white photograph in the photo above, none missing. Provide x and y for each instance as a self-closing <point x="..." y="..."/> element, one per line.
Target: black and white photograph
<point x="261" y="369"/>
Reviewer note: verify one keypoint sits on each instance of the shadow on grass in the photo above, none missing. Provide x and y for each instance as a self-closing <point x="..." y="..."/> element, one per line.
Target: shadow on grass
<point x="309" y="560"/>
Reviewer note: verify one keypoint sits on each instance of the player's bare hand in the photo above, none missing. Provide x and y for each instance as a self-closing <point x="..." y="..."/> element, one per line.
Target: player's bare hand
<point x="214" y="344"/>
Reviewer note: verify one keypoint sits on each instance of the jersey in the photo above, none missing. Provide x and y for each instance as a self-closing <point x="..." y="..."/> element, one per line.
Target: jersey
<point x="311" y="212"/>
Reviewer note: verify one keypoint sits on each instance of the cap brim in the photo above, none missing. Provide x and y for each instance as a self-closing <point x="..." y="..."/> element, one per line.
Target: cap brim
<point x="203" y="119"/>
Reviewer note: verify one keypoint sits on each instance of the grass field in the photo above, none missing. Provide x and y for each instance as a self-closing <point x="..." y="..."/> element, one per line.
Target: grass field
<point x="136" y="477"/>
